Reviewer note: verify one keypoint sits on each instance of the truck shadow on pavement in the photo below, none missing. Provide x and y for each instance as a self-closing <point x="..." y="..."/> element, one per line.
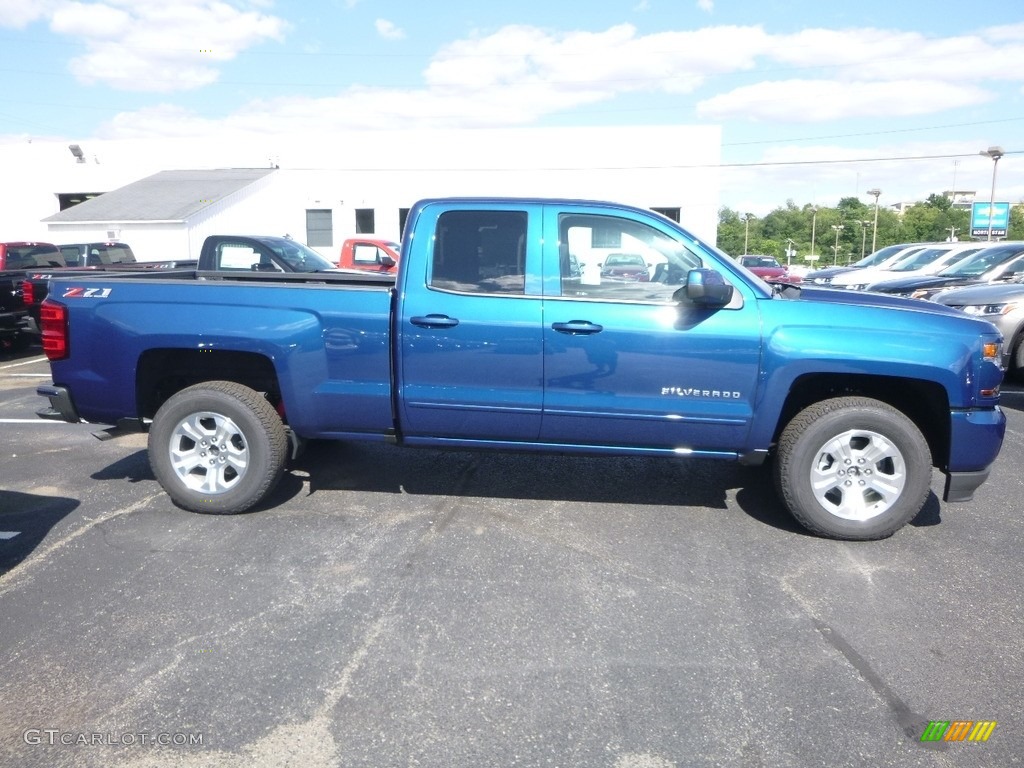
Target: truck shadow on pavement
<point x="30" y="517"/>
<point x="678" y="483"/>
<point x="134" y="468"/>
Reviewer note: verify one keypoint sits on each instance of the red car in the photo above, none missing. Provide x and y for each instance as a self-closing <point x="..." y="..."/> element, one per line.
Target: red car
<point x="767" y="268"/>
<point x="626" y="266"/>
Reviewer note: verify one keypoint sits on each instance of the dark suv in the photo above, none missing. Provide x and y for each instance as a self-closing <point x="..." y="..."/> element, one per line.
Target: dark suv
<point x="15" y="259"/>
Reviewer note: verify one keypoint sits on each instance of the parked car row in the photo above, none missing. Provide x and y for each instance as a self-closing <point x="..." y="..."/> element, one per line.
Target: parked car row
<point x="981" y="279"/>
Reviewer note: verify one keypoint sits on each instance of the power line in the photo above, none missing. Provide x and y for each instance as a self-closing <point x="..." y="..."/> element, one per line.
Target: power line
<point x="872" y="133"/>
<point x="696" y="166"/>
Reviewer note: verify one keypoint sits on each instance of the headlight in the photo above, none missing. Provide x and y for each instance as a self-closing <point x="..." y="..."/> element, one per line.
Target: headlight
<point x="822" y="280"/>
<point x="856" y="286"/>
<point x="990" y="309"/>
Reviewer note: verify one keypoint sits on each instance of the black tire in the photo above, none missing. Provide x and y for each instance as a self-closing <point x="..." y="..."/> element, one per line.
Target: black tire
<point x="21" y="342"/>
<point x="1016" y="362"/>
<point x="872" y="466"/>
<point x="247" y="458"/>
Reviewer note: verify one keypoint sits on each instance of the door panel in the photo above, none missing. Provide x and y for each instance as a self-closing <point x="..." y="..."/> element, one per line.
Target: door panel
<point x="471" y="359"/>
<point x="626" y="363"/>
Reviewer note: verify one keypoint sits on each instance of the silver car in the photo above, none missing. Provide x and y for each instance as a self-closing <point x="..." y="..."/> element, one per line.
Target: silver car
<point x="1003" y="306"/>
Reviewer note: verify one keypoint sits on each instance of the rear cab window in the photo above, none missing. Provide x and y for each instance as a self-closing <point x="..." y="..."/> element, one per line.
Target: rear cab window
<point x="480" y="251"/>
<point x="34" y="255"/>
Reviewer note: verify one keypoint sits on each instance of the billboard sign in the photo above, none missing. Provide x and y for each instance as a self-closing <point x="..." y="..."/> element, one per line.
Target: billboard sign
<point x="996" y="215"/>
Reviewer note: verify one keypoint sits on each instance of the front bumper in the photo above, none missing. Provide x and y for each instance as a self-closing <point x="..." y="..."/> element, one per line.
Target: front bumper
<point x="960" y="486"/>
<point x="975" y="439"/>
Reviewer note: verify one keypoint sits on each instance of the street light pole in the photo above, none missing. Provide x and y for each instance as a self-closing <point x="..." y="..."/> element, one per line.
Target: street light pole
<point x="995" y="153"/>
<point x="835" y="256"/>
<point x="746" y="231"/>
<point x="874" y="235"/>
<point x="814" y="224"/>
<point x="863" y="236"/>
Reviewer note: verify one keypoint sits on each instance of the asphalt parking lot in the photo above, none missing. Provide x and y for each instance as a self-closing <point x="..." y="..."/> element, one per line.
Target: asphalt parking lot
<point x="395" y="607"/>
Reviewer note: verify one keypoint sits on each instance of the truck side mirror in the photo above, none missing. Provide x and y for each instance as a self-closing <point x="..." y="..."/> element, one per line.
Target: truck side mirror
<point x="386" y="260"/>
<point x="706" y="288"/>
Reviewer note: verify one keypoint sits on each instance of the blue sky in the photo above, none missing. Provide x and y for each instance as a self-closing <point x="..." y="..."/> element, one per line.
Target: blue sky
<point x="816" y="100"/>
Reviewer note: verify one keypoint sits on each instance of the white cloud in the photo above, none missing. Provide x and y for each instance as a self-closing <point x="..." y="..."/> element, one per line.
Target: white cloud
<point x="388" y="30"/>
<point x="706" y="5"/>
<point x="520" y="74"/>
<point x="152" y="45"/>
<point x="614" y="61"/>
<point x="20" y="13"/>
<point x="822" y="100"/>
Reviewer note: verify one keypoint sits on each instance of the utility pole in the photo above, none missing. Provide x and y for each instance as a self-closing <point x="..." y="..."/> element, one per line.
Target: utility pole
<point x="874" y="236"/>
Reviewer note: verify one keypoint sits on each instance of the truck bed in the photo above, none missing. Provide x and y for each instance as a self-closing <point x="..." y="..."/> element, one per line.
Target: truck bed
<point x="328" y="335"/>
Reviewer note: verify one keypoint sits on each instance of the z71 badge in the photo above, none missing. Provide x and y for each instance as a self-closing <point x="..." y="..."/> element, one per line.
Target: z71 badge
<point x="87" y="293"/>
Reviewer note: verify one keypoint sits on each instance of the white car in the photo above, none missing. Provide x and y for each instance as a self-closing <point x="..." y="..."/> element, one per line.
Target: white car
<point x="883" y="258"/>
<point x="925" y="261"/>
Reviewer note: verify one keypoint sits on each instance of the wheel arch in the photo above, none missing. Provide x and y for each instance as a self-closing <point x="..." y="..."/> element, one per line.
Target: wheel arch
<point x="926" y="403"/>
<point x="162" y="373"/>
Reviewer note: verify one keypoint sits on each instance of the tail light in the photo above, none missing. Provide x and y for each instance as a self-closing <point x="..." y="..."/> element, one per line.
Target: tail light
<point x="53" y="324"/>
<point x="27" y="295"/>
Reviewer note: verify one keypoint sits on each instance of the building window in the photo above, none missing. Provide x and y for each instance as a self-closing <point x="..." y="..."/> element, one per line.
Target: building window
<point x="403" y="216"/>
<point x="67" y="200"/>
<point x="364" y="221"/>
<point x="671" y="213"/>
<point x="319" y="227"/>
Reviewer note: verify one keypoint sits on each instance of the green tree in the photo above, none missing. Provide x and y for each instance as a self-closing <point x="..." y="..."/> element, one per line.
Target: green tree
<point x="935" y="220"/>
<point x="1016" y="229"/>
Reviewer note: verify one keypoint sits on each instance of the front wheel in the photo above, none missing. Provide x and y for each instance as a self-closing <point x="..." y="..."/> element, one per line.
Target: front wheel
<point x="217" y="447"/>
<point x="853" y="468"/>
<point x="1016" y="365"/>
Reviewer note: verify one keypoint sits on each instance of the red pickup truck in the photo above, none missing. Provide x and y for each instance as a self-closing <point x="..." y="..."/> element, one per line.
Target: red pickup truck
<point x="370" y="254"/>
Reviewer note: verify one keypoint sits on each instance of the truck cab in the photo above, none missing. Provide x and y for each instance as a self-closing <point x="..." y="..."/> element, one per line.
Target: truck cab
<point x="369" y="254"/>
<point x="259" y="253"/>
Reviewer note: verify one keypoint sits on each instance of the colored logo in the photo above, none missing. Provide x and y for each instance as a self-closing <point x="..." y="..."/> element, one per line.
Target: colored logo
<point x="984" y="215"/>
<point x="958" y="730"/>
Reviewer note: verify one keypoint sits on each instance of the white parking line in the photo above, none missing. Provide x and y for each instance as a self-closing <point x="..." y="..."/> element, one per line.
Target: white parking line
<point x="27" y="375"/>
<point x="40" y="359"/>
<point x="8" y="534"/>
<point x="31" y="421"/>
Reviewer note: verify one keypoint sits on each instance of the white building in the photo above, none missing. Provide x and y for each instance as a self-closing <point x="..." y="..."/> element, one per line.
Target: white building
<point x="320" y="189"/>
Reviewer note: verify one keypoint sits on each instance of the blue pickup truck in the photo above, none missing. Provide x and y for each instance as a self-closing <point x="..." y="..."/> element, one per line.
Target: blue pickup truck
<point x="502" y="330"/>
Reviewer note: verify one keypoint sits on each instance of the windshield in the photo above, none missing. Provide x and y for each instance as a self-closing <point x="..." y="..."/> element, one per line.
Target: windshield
<point x="299" y="257"/>
<point x="759" y="261"/>
<point x="879" y="256"/>
<point x="919" y="260"/>
<point x="981" y="261"/>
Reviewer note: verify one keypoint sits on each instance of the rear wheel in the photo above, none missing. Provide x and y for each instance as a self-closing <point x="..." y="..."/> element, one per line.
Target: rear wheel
<point x="853" y="468"/>
<point x="217" y="447"/>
